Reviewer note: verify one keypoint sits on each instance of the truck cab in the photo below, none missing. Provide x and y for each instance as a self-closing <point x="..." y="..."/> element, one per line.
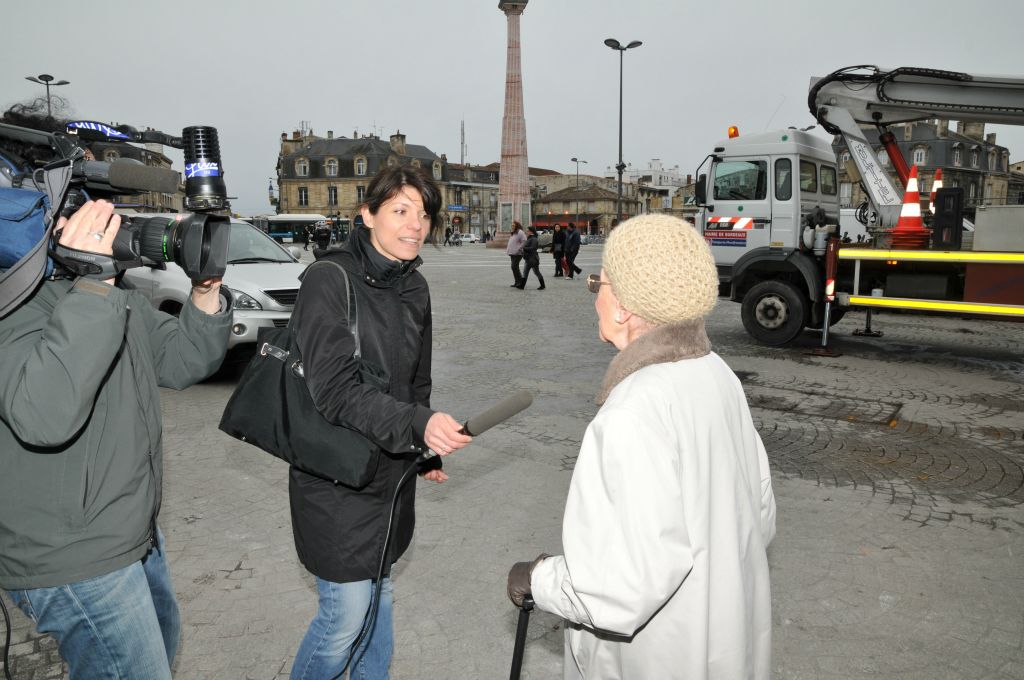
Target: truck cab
<point x="759" y="194"/>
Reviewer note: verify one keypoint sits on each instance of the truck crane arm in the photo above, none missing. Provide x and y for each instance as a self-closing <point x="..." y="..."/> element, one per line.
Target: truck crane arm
<point x="846" y="99"/>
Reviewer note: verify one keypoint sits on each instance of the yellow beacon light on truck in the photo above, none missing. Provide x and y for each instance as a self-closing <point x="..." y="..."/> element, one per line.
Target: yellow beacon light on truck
<point x="733" y="132"/>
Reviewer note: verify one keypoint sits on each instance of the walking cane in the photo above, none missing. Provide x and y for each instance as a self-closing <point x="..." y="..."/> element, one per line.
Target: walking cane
<point x="517" y="652"/>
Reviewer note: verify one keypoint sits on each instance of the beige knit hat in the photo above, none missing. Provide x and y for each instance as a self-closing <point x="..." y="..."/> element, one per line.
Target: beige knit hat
<point x="661" y="269"/>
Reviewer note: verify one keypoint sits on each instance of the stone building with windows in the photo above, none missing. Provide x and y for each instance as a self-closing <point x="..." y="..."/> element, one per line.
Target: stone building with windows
<point x="153" y="156"/>
<point x="969" y="158"/>
<point x="1015" y="192"/>
<point x="591" y="207"/>
<point x="471" y="198"/>
<point x="329" y="175"/>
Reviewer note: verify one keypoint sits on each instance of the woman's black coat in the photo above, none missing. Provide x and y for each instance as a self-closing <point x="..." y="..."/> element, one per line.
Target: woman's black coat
<point x="530" y="250"/>
<point x="339" y="532"/>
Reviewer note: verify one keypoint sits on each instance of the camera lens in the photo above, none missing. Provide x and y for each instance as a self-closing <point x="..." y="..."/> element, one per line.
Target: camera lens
<point x="156" y="237"/>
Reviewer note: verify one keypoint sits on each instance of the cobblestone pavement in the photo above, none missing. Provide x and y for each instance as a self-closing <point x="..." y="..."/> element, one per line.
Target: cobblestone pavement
<point x="898" y="473"/>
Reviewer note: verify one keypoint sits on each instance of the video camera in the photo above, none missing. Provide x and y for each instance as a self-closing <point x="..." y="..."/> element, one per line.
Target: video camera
<point x="195" y="241"/>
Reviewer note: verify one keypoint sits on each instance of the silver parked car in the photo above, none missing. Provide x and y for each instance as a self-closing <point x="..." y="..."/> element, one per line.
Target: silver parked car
<point x="262" y="275"/>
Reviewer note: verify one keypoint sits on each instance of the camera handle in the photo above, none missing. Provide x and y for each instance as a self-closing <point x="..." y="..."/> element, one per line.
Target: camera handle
<point x="85" y="263"/>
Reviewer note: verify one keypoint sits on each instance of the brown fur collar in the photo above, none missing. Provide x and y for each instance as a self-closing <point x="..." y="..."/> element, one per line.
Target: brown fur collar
<point x="660" y="345"/>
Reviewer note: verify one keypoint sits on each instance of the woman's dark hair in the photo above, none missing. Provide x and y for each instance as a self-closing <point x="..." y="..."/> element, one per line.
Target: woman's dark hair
<point x="516" y="225"/>
<point x="389" y="181"/>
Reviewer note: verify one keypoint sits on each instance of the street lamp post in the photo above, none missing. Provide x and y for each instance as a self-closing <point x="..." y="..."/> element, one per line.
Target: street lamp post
<point x="46" y="79"/>
<point x="616" y="45"/>
<point x="577" y="161"/>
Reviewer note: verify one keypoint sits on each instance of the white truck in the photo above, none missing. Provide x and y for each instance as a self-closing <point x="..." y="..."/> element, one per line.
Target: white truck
<point x="770" y="205"/>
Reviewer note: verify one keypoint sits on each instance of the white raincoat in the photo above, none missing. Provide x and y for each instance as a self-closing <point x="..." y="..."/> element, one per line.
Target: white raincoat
<point x="667" y="521"/>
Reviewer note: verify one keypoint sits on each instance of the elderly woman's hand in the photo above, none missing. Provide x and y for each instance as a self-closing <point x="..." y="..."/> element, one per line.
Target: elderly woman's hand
<point x="444" y="434"/>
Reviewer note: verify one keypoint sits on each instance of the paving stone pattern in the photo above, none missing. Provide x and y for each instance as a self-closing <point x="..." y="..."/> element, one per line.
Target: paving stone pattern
<point x="898" y="469"/>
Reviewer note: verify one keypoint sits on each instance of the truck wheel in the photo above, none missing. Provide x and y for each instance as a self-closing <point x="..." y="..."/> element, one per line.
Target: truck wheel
<point x="774" y="312"/>
<point x="835" y="317"/>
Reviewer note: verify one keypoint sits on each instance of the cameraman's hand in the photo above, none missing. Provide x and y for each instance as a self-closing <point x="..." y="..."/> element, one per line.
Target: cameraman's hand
<point x="443" y="434"/>
<point x="206" y="295"/>
<point x="91" y="229"/>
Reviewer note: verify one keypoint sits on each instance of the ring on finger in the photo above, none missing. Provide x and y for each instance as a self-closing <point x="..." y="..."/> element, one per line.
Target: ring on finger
<point x="98" y="235"/>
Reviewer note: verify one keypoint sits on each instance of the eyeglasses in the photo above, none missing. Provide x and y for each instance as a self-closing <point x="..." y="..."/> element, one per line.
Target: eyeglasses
<point x="594" y="283"/>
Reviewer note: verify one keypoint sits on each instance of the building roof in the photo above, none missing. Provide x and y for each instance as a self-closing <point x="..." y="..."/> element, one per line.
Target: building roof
<point x="375" y="150"/>
<point x="590" y="192"/>
<point x="539" y="172"/>
<point x="344" y="148"/>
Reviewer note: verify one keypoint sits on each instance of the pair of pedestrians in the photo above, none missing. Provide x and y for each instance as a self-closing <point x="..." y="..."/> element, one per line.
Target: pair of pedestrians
<point x="571" y="249"/>
<point x="522" y="247"/>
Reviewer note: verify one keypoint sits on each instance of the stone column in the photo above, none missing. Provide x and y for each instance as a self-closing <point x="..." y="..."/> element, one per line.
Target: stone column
<point x="514" y="178"/>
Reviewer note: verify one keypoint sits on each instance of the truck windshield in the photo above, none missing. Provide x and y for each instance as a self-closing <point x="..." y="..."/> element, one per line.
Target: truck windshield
<point x="741" y="180"/>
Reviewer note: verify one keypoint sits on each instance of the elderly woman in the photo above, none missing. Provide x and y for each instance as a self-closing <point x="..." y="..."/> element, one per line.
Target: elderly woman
<point x="670" y="509"/>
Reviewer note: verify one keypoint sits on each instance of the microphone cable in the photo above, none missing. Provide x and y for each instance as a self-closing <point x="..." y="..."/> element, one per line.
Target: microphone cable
<point x="371" y="613"/>
<point x="7" y="639"/>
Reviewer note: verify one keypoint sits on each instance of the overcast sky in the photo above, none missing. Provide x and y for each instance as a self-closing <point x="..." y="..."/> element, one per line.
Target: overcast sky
<point x="258" y="68"/>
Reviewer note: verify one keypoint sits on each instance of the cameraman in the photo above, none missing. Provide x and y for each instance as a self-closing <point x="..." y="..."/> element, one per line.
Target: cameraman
<point x="80" y="450"/>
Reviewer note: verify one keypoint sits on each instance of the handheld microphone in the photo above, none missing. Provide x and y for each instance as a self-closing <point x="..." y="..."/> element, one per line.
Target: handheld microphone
<point x="500" y="412"/>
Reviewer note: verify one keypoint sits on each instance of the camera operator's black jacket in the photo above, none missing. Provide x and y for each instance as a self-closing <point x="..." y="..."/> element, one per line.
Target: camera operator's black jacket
<point x="339" y="531"/>
<point x="80" y="427"/>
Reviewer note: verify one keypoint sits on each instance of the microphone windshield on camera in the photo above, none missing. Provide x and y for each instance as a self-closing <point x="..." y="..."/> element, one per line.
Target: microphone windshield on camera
<point x="127" y="174"/>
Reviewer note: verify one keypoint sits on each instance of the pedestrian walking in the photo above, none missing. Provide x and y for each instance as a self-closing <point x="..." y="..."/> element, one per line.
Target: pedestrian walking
<point x="558" y="249"/>
<point x="514" y="250"/>
<point x="323" y="236"/>
<point x="670" y="508"/>
<point x="339" y="530"/>
<point x="448" y="236"/>
<point x="531" y="259"/>
<point x="572" y="249"/>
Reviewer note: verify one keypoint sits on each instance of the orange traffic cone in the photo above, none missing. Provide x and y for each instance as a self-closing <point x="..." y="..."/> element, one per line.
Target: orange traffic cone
<point x="910" y="231"/>
<point x="936" y="185"/>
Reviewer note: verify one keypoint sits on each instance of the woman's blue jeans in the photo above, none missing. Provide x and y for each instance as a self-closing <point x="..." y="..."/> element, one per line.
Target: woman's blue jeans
<point x="339" y="617"/>
<point x="120" y="626"/>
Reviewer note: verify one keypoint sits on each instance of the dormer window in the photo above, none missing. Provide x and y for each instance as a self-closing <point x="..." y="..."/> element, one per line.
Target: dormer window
<point x="920" y="155"/>
<point x="415" y="162"/>
<point x="331" y="167"/>
<point x="975" y="157"/>
<point x="958" y="155"/>
<point x="302" y="167"/>
<point x="360" y="166"/>
<point x="437" y="170"/>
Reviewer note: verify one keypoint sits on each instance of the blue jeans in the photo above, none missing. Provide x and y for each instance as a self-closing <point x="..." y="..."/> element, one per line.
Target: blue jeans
<point x="339" y="617"/>
<point x="120" y="626"/>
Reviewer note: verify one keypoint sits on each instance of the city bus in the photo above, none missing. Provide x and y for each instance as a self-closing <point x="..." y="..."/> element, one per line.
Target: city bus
<point x="288" y="228"/>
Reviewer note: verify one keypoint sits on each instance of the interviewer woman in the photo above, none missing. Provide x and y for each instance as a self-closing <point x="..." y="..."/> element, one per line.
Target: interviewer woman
<point x="339" y="531"/>
<point x="670" y="507"/>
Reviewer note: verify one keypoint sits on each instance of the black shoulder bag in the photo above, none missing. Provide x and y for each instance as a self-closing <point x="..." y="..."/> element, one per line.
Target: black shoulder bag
<point x="271" y="408"/>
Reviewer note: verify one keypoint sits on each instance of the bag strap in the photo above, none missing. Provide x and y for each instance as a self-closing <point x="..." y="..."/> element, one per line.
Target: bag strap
<point x="353" y="308"/>
<point x="21" y="279"/>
